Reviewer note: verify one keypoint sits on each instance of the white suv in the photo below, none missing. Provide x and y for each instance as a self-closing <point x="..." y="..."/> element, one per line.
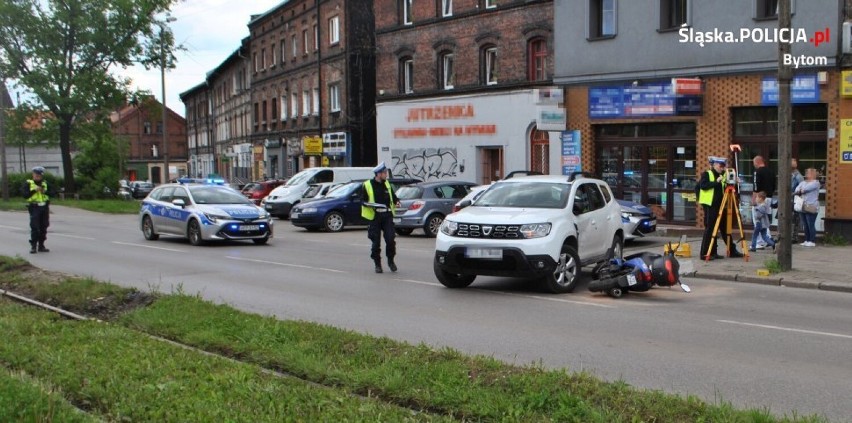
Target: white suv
<point x="546" y="227"/>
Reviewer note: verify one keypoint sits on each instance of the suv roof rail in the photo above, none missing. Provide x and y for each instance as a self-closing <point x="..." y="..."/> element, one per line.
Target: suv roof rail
<point x="577" y="175"/>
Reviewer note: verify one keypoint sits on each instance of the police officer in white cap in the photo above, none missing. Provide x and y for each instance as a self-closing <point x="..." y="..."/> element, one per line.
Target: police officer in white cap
<point x="379" y="205"/>
<point x="36" y="192"/>
<point x="711" y="192"/>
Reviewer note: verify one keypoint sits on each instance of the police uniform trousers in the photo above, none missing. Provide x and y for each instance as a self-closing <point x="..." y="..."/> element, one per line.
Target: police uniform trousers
<point x="710" y="216"/>
<point x="39" y="221"/>
<point x="382" y="223"/>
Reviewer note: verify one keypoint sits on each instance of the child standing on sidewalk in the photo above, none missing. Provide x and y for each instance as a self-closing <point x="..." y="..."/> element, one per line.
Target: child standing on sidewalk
<point x="761" y="212"/>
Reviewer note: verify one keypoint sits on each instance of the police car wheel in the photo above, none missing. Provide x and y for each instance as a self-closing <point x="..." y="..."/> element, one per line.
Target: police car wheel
<point x="148" y="229"/>
<point x="261" y="241"/>
<point x="193" y="232"/>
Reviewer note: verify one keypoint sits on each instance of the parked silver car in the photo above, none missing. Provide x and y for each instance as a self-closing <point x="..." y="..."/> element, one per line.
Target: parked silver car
<point x="423" y="205"/>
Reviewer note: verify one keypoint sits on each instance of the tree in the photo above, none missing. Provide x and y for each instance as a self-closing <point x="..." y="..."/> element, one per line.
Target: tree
<point x="65" y="52"/>
<point x="96" y="164"/>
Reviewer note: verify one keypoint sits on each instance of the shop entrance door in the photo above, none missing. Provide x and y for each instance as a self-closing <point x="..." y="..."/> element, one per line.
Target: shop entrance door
<point x="658" y="175"/>
<point x="490" y="164"/>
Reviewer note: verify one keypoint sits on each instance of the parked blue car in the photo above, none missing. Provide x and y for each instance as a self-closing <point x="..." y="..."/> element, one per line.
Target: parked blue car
<point x="339" y="208"/>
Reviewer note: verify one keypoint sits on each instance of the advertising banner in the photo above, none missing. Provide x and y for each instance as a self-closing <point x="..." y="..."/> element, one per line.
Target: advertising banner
<point x="572" y="154"/>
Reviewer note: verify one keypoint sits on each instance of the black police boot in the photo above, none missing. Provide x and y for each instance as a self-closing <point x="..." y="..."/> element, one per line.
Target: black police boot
<point x="32" y="247"/>
<point x="392" y="265"/>
<point x="42" y="248"/>
<point x="378" y="264"/>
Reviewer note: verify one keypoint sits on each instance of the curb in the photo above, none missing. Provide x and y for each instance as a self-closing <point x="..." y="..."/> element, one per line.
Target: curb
<point x="774" y="281"/>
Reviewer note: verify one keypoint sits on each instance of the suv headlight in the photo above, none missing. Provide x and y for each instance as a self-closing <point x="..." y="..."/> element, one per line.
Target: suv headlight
<point x="448" y="227"/>
<point x="535" y="230"/>
<point x="215" y="217"/>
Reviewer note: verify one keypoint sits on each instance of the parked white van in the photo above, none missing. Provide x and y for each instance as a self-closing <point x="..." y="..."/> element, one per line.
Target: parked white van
<point x="279" y="202"/>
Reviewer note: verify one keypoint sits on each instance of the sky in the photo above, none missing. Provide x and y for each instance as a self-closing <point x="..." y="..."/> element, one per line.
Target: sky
<point x="210" y="30"/>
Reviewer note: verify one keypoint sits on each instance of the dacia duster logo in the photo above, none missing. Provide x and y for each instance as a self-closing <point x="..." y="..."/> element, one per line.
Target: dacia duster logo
<point x="486" y="230"/>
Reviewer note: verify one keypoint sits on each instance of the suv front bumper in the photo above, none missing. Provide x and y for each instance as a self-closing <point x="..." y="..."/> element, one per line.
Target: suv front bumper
<point x="513" y="263"/>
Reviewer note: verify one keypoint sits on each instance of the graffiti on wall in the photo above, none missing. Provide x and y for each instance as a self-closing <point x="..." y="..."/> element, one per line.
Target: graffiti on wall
<point x="426" y="164"/>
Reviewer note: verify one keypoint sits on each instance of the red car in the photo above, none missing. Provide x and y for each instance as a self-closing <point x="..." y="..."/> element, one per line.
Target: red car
<point x="256" y="191"/>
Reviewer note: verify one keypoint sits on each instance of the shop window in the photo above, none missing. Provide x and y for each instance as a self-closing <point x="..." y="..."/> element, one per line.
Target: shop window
<point x="537" y="56"/>
<point x="673" y="14"/>
<point x="602" y="18"/>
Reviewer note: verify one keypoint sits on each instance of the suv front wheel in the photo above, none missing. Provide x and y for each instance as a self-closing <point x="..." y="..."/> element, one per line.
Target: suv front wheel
<point x="567" y="273"/>
<point x="452" y="280"/>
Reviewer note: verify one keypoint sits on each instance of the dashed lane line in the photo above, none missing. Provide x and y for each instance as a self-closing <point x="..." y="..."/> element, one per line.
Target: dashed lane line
<point x="276" y="263"/>
<point x="129" y="244"/>
<point x="809" y="332"/>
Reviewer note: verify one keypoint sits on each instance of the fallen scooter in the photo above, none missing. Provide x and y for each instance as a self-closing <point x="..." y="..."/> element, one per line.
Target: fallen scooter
<point x="638" y="272"/>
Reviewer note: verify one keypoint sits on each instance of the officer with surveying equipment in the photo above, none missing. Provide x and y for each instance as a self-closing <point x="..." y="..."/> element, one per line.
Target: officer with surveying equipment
<point x="711" y="193"/>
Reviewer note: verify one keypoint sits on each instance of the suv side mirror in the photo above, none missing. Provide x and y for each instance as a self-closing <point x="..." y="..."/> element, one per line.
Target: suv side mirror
<point x="464" y="204"/>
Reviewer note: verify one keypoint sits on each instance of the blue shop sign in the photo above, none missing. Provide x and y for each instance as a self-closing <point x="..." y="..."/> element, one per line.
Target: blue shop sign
<point x="803" y="89"/>
<point x="645" y="100"/>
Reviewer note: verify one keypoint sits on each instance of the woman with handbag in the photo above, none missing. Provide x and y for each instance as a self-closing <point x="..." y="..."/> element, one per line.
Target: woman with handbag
<point x="808" y="190"/>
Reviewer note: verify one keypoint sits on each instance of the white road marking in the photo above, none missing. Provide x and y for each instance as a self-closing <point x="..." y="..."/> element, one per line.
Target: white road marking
<point x="11" y="227"/>
<point x="419" y="282"/>
<point x="811" y="332"/>
<point x="148" y="246"/>
<point x="72" y="236"/>
<point x="275" y="263"/>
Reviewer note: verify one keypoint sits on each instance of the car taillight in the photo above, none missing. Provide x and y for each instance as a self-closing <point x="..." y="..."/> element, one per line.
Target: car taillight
<point x="416" y="205"/>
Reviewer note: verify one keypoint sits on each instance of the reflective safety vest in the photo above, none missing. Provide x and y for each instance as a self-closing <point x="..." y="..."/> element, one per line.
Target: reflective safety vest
<point x="368" y="212"/>
<point x="37" y="197"/>
<point x="706" y="195"/>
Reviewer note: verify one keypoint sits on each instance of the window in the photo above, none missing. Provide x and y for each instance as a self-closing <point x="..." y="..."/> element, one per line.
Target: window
<point x="766" y="9"/>
<point x="256" y="114"/>
<point x="274" y="55"/>
<point x="295" y="47"/>
<point x="284" y="107"/>
<point x="305" y="41"/>
<point x="255" y="63"/>
<point x="306" y="103"/>
<point x="283" y="51"/>
<point x="263" y="59"/>
<point x="601" y="18"/>
<point x="490" y="4"/>
<point x="406" y="75"/>
<point x="407" y="15"/>
<point x="263" y="111"/>
<point x="674" y="13"/>
<point x="147" y="129"/>
<point x="274" y="114"/>
<point x="489" y="65"/>
<point x="294" y="105"/>
<point x="315" y="102"/>
<point x="316" y="37"/>
<point x="160" y="127"/>
<point x="334" y="30"/>
<point x="447" y="71"/>
<point x="446" y="8"/>
<point x="537" y="59"/>
<point x="334" y="98"/>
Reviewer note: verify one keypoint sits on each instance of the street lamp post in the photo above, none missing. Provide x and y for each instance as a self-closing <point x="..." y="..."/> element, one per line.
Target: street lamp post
<point x="163" y="86"/>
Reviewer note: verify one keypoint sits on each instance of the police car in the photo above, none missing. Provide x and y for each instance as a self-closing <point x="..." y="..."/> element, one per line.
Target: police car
<point x="203" y="212"/>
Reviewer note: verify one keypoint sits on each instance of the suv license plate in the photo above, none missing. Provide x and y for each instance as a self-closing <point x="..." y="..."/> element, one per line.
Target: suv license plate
<point x="250" y="228"/>
<point x="484" y="253"/>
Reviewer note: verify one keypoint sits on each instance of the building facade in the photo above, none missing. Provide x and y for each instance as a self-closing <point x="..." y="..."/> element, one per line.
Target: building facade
<point x="140" y="125"/>
<point x="230" y="87"/>
<point x="464" y="88"/>
<point x="199" y="130"/>
<point x="664" y="84"/>
<point x="313" y="88"/>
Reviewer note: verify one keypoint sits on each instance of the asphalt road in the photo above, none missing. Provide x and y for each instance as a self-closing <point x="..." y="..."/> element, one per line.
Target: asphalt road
<point x="785" y="349"/>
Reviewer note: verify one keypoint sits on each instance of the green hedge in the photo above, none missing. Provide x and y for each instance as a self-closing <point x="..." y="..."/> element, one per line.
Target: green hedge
<point x="17" y="181"/>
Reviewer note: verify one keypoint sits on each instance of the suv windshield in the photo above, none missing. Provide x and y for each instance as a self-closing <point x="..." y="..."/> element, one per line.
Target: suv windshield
<point x="217" y="195"/>
<point x="525" y="194"/>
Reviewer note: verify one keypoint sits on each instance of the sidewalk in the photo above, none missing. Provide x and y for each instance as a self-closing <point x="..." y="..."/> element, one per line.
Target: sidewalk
<point x="822" y="267"/>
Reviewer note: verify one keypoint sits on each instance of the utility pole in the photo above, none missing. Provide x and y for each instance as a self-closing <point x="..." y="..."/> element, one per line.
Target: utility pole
<point x="165" y="109"/>
<point x="785" y="207"/>
<point x="3" y="108"/>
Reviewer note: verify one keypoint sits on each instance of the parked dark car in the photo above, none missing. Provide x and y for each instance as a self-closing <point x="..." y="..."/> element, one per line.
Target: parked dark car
<point x="255" y="191"/>
<point x="339" y="208"/>
<point x="140" y="189"/>
<point x="423" y="205"/>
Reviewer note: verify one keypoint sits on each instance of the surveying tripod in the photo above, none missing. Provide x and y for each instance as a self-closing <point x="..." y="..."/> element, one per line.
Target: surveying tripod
<point x="728" y="208"/>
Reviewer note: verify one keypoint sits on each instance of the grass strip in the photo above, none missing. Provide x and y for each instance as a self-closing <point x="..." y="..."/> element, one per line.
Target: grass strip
<point x="23" y="399"/>
<point x="13" y="205"/>
<point x="119" y="374"/>
<point x="111" y="206"/>
<point x="444" y="381"/>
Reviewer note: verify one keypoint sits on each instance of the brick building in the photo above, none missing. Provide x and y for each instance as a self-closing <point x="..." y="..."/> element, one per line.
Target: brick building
<point x="199" y="129"/>
<point x="464" y="88"/>
<point x="230" y="93"/>
<point x="312" y="85"/>
<point x="141" y="125"/>
<point x="650" y="136"/>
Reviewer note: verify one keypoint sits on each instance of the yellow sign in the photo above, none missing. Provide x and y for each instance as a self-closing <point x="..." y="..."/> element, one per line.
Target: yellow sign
<point x="312" y="146"/>
<point x="325" y="161"/>
<point x="846" y="84"/>
<point x="845" y="146"/>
